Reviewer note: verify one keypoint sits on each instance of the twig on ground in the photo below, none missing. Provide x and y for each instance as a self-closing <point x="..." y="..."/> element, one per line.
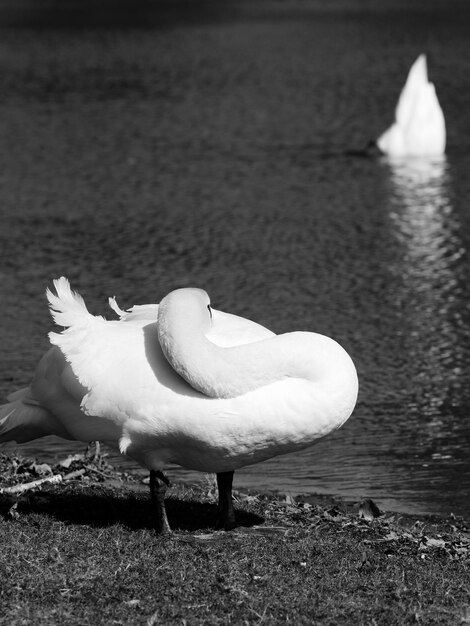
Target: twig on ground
<point x="51" y="480"/>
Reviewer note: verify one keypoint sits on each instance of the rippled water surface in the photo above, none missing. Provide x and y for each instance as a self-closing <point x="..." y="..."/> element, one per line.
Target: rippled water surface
<point x="165" y="144"/>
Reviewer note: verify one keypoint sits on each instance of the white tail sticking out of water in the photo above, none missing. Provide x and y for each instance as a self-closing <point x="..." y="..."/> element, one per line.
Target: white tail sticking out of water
<point x="419" y="128"/>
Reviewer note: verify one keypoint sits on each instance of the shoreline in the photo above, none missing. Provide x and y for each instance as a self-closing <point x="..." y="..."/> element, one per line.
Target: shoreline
<point x="92" y="470"/>
<point x="139" y="477"/>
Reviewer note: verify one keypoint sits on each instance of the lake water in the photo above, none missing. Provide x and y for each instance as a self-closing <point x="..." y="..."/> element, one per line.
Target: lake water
<point x="152" y="145"/>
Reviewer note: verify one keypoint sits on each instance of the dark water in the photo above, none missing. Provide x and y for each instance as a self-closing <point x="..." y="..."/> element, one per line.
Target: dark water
<point x="154" y="145"/>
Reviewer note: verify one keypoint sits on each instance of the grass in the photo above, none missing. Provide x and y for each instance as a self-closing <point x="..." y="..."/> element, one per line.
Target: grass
<point x="84" y="552"/>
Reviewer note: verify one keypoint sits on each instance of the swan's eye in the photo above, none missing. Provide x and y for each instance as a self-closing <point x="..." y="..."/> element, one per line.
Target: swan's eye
<point x="210" y="310"/>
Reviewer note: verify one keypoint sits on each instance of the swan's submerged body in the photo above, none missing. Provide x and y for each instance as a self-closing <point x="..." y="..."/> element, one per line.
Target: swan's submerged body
<point x="419" y="127"/>
<point x="182" y="383"/>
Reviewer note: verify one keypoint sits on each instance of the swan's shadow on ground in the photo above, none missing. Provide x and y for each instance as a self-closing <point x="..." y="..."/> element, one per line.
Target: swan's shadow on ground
<point x="134" y="510"/>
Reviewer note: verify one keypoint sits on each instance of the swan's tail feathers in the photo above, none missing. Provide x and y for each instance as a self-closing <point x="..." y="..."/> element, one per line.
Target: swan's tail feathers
<point x="23" y="422"/>
<point x="67" y="307"/>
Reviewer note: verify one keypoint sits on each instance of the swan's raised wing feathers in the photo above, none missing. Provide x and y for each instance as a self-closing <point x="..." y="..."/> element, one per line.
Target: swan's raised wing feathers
<point x="67" y="307"/>
<point x="138" y="312"/>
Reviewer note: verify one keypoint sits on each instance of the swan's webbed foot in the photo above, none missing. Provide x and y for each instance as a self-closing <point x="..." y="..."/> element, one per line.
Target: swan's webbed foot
<point x="226" y="518"/>
<point x="159" y="484"/>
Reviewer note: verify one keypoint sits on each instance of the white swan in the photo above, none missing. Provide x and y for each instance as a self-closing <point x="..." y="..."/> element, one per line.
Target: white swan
<point x="419" y="129"/>
<point x="181" y="382"/>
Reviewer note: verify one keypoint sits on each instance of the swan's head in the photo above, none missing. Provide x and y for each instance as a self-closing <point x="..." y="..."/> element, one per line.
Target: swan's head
<point x="184" y="315"/>
<point x="184" y="309"/>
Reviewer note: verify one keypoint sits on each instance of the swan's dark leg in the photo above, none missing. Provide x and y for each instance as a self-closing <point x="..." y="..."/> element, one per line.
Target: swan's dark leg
<point x="158" y="486"/>
<point x="226" y="513"/>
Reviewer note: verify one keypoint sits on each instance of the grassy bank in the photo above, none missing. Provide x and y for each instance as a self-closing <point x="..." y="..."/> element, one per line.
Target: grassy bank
<point x="84" y="552"/>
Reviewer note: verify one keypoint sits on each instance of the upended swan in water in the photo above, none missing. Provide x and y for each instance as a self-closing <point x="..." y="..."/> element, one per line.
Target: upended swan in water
<point x="184" y="383"/>
<point x="419" y="129"/>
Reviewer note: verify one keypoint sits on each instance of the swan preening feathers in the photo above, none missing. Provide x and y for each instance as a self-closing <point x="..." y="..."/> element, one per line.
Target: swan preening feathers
<point x="419" y="128"/>
<point x="184" y="383"/>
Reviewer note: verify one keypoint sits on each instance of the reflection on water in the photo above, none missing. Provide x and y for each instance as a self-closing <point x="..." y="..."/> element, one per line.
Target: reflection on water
<point x="427" y="229"/>
<point x="421" y="211"/>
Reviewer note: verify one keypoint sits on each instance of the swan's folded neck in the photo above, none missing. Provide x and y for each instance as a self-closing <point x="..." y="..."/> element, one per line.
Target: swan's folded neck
<point x="183" y="321"/>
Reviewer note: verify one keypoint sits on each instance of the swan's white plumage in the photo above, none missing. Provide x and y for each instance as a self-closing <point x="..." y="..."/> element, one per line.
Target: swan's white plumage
<point x="419" y="127"/>
<point x="110" y="381"/>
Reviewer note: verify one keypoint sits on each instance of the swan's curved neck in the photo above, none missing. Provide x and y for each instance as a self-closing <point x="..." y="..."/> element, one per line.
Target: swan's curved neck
<point x="184" y="320"/>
